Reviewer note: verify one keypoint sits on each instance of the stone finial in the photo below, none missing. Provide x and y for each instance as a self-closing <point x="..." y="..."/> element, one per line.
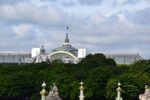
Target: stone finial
<point x="119" y="92"/>
<point x="81" y="96"/>
<point x="43" y="92"/>
<point x="44" y="85"/>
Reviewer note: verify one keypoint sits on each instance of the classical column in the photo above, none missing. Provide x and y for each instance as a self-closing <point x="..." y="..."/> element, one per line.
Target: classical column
<point x="119" y="92"/>
<point x="81" y="96"/>
<point x="43" y="92"/>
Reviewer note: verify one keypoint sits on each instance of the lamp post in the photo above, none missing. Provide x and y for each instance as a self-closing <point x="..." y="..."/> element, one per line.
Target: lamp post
<point x="81" y="96"/>
<point x="43" y="92"/>
<point x="119" y="92"/>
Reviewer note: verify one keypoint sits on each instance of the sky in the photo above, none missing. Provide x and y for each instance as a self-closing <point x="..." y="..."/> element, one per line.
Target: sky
<point x="100" y="26"/>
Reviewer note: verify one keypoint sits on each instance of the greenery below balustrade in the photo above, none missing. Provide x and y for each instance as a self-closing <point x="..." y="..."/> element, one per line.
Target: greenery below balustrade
<point x="99" y="74"/>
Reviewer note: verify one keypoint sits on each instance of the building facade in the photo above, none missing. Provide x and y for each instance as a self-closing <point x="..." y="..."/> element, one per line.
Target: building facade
<point x="15" y="57"/>
<point x="124" y="58"/>
<point x="65" y="53"/>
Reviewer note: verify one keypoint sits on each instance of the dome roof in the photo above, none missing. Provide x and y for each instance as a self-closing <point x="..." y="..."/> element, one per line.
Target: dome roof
<point x="67" y="47"/>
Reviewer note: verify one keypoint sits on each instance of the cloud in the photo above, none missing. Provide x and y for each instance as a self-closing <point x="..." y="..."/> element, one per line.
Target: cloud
<point x="47" y="0"/>
<point x="68" y="4"/>
<point x="2" y="2"/>
<point x="141" y="17"/>
<point x="25" y="12"/>
<point x="91" y="2"/>
<point x="105" y="28"/>
<point x="131" y="2"/>
<point x="113" y="34"/>
<point x="22" y="30"/>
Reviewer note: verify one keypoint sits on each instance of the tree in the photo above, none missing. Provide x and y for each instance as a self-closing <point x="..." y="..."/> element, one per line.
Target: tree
<point x="97" y="82"/>
<point x="97" y="60"/>
<point x="131" y="85"/>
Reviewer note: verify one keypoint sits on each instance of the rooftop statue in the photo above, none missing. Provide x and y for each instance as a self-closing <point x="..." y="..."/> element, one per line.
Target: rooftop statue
<point x="146" y="95"/>
<point x="53" y="93"/>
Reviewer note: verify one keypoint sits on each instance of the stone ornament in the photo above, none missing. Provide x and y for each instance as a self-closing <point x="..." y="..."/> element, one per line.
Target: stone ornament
<point x="146" y="94"/>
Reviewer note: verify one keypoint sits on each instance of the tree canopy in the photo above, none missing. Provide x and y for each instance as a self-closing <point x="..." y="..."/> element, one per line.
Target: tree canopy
<point x="100" y="75"/>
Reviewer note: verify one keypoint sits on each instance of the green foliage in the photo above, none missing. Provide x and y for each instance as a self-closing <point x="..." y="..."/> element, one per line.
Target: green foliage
<point x="131" y="86"/>
<point x="96" y="60"/>
<point x="99" y="74"/>
<point x="111" y="88"/>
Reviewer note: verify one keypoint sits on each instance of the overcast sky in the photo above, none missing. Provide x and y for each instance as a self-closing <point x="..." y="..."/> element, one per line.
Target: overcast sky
<point x="107" y="26"/>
